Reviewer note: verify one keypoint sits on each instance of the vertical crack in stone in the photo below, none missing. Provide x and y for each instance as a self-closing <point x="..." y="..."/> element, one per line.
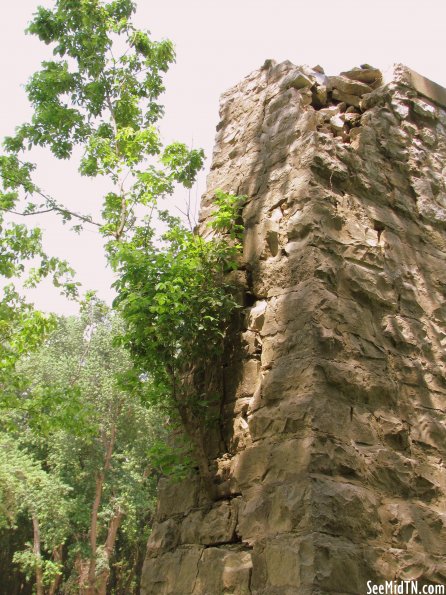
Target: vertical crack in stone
<point x="194" y="590"/>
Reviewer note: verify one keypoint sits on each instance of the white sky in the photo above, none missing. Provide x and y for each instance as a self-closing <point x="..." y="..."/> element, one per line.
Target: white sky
<point x="217" y="44"/>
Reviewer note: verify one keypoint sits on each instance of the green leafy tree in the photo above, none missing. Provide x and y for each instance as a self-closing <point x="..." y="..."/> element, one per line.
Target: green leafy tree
<point x="21" y="255"/>
<point x="177" y="301"/>
<point x="86" y="429"/>
<point x="27" y="489"/>
<point x="89" y="486"/>
<point x="100" y="92"/>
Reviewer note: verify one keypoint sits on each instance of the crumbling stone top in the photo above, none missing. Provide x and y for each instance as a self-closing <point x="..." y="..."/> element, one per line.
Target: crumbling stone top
<point x="343" y="98"/>
<point x="420" y="83"/>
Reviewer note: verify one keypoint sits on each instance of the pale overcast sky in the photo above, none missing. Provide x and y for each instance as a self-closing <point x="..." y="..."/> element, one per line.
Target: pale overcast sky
<point x="217" y="44"/>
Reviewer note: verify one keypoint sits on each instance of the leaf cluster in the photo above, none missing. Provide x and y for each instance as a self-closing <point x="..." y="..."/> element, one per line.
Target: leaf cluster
<point x="175" y="297"/>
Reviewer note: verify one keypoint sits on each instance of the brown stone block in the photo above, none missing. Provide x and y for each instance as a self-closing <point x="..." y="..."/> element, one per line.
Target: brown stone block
<point x="340" y="508"/>
<point x="349" y="85"/>
<point x="364" y="284"/>
<point x="164" y="537"/>
<point x="340" y="566"/>
<point x="177" y="497"/>
<point x="364" y="382"/>
<point x="268" y="510"/>
<point x="414" y="526"/>
<point x="172" y="573"/>
<point x="225" y="571"/>
<point x="407" y="564"/>
<point x="287" y="344"/>
<point x="420" y="83"/>
<point x="283" y="564"/>
<point x="396" y="473"/>
<point x="191" y="526"/>
<point x="429" y="428"/>
<point x="290" y="416"/>
<point x="288" y="378"/>
<point x="266" y="462"/>
<point x="244" y="383"/>
<point x="332" y="457"/>
<point x="210" y="527"/>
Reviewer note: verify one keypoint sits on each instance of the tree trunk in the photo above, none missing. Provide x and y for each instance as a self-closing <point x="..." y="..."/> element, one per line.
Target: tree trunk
<point x="57" y="557"/>
<point x="93" y="533"/>
<point x="101" y="588"/>
<point x="81" y="565"/>
<point x="36" y="549"/>
<point x="91" y="589"/>
<point x="192" y="429"/>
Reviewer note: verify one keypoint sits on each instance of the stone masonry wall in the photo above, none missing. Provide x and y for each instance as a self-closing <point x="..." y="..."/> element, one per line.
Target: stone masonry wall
<point x="332" y="467"/>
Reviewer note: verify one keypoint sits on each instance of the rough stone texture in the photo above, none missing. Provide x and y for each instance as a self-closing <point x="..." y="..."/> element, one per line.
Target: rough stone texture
<point x="333" y="420"/>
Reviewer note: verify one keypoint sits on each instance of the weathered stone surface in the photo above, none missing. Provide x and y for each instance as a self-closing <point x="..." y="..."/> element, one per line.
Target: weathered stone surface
<point x="347" y="98"/>
<point x="348" y="86"/>
<point x="331" y="471"/>
<point x="297" y="80"/>
<point x="421" y="84"/>
<point x="225" y="571"/>
<point x="368" y="75"/>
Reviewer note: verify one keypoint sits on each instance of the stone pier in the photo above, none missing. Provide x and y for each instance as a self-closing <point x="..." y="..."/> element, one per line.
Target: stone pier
<point x="329" y="469"/>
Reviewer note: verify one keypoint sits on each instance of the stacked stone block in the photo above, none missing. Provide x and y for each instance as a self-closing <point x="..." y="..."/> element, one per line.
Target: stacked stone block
<point x="331" y="467"/>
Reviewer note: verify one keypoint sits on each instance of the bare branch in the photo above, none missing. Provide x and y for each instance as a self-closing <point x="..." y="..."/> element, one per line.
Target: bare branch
<point x="54" y="207"/>
<point x="27" y="214"/>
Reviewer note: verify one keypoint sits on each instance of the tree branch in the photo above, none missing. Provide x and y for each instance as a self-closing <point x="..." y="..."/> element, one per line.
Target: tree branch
<point x="101" y="588"/>
<point x="53" y="207"/>
<point x="37" y="553"/>
<point x="57" y="557"/>
<point x="27" y="214"/>
<point x="61" y="210"/>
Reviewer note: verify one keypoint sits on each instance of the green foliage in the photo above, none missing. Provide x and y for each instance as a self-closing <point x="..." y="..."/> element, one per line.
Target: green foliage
<point x="79" y="410"/>
<point x="91" y="95"/>
<point x="173" y="462"/>
<point x="21" y="255"/>
<point x="27" y="489"/>
<point x="183" y="163"/>
<point x="104" y="98"/>
<point x="22" y="329"/>
<point x="101" y="91"/>
<point x="175" y="299"/>
<point x="26" y="486"/>
<point x="52" y="475"/>
<point x="226" y="217"/>
<point x="27" y="561"/>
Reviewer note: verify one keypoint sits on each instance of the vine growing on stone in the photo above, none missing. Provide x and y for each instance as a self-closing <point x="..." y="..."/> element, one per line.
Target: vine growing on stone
<point x="176" y="300"/>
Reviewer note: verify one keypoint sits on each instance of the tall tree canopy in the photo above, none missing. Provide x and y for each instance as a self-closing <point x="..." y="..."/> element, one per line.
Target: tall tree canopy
<point x="101" y="91"/>
<point x="78" y="417"/>
<point x="82" y="479"/>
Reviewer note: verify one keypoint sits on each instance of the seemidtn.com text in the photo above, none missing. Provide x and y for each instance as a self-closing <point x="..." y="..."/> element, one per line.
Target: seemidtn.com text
<point x="404" y="588"/>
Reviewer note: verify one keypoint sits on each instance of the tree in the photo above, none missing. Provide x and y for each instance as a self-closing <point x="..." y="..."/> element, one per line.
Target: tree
<point x="26" y="488"/>
<point x="101" y="92"/>
<point x="89" y="485"/>
<point x="177" y="301"/>
<point x="21" y="327"/>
